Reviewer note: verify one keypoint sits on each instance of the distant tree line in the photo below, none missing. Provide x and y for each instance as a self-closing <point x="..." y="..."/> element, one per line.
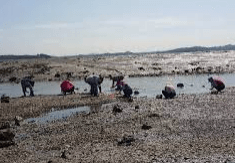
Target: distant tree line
<point x="178" y="50"/>
<point x="16" y="57"/>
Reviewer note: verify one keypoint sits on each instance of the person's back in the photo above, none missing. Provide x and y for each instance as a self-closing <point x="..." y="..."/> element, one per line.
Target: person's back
<point x="169" y="91"/>
<point x="67" y="86"/>
<point x="216" y="83"/>
<point x="94" y="81"/>
<point x="127" y="90"/>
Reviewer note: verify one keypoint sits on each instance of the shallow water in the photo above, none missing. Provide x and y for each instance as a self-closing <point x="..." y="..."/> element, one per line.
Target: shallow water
<point x="55" y="115"/>
<point x="147" y="86"/>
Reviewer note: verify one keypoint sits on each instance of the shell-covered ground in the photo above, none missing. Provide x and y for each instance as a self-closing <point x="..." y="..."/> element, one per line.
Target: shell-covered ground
<point x="188" y="128"/>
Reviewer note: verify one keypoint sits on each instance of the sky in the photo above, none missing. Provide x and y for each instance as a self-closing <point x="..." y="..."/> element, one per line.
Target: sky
<point x="71" y="27"/>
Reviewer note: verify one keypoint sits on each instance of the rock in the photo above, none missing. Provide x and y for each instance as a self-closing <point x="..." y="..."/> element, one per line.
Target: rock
<point x="57" y="75"/>
<point x="13" y="79"/>
<point x="137" y="107"/>
<point x="6" y="135"/>
<point x="136" y="92"/>
<point x="4" y="125"/>
<point x="159" y="97"/>
<point x="199" y="69"/>
<point x="18" y="119"/>
<point x="141" y="68"/>
<point x="126" y="140"/>
<point x="63" y="155"/>
<point x="5" y="99"/>
<point x="146" y="127"/>
<point x="117" y="109"/>
<point x="6" y="143"/>
<point x="154" y="115"/>
<point x="180" y="85"/>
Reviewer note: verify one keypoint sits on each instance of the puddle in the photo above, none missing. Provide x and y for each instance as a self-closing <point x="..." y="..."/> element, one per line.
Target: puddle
<point x="56" y="115"/>
<point x="147" y="86"/>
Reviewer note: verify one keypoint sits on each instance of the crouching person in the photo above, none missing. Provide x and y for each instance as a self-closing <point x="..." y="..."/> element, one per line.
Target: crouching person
<point x="169" y="91"/>
<point x="216" y="83"/>
<point x="127" y="90"/>
<point x="27" y="82"/>
<point x="67" y="87"/>
<point x="95" y="82"/>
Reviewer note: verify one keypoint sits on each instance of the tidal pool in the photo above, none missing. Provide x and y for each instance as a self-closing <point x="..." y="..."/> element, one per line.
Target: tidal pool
<point x="55" y="115"/>
<point x="147" y="86"/>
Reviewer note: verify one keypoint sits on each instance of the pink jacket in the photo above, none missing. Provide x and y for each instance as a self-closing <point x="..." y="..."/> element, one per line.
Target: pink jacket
<point x="66" y="86"/>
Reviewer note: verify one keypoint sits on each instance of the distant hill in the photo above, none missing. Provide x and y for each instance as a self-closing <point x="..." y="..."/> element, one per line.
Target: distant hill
<point x="177" y="50"/>
<point x="16" y="57"/>
<point x="201" y="48"/>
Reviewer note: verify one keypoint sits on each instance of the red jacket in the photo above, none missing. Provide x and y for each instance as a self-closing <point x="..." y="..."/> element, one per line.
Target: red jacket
<point x="66" y="86"/>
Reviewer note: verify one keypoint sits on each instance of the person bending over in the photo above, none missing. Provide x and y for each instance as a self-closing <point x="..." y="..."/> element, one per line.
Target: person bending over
<point x="216" y="83"/>
<point x="95" y="82"/>
<point x="169" y="91"/>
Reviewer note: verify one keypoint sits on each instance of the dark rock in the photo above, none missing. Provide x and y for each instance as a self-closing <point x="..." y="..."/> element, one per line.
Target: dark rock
<point x="141" y="68"/>
<point x="117" y="109"/>
<point x="6" y="135"/>
<point x="63" y="155"/>
<point x="146" y="127"/>
<point x="159" y="96"/>
<point x="4" y="125"/>
<point x="13" y="79"/>
<point x="154" y="115"/>
<point x="57" y="75"/>
<point x="137" y="107"/>
<point x="6" y="143"/>
<point x="136" y="92"/>
<point x="5" y="99"/>
<point x="126" y="140"/>
<point x="180" y="85"/>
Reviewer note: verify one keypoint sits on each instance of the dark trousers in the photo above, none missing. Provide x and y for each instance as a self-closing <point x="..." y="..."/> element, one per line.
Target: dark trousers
<point x="69" y="91"/>
<point x="168" y="95"/>
<point x="24" y="90"/>
<point x="94" y="89"/>
<point x="220" y="87"/>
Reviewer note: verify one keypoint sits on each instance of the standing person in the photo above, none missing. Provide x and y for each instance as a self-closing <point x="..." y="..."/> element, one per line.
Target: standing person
<point x="27" y="82"/>
<point x="67" y="86"/>
<point x="216" y="83"/>
<point x="169" y="91"/>
<point x="95" y="82"/>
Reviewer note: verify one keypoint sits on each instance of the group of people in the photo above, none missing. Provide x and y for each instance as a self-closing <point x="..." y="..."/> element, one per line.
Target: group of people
<point x="95" y="82"/>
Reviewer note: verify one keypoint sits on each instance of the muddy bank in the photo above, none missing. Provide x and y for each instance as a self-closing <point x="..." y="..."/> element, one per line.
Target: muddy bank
<point x="58" y="69"/>
<point x="189" y="128"/>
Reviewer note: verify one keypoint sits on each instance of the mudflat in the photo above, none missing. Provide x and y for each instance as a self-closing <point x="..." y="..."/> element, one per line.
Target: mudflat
<point x="188" y="128"/>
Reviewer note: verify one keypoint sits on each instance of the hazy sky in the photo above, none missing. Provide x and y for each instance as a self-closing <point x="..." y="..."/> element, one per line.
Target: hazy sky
<point x="64" y="27"/>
